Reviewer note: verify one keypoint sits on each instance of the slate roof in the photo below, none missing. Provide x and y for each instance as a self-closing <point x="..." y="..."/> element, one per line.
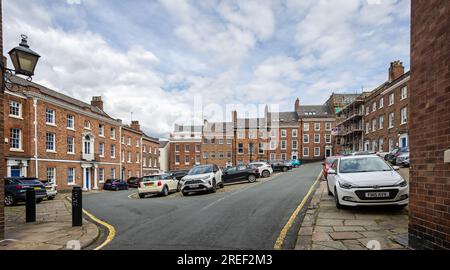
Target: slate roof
<point x="314" y="111"/>
<point x="163" y="144"/>
<point x="54" y="94"/>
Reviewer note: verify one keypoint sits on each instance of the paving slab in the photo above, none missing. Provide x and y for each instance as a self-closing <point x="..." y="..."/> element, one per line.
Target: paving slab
<point x="348" y="228"/>
<point x="329" y="222"/>
<point x="345" y="235"/>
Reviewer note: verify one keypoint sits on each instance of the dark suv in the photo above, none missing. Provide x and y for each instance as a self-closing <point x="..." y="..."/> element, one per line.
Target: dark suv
<point x="134" y="182"/>
<point x="240" y="173"/>
<point x="16" y="188"/>
<point x="280" y="165"/>
<point x="392" y="156"/>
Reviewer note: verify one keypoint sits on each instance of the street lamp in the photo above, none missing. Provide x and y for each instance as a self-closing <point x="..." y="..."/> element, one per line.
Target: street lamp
<point x="23" y="58"/>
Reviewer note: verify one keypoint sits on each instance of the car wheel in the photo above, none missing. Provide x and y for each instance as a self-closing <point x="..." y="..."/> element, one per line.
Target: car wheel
<point x="116" y="189"/>
<point x="251" y="178"/>
<point x="329" y="191"/>
<point x="10" y="200"/>
<point x="178" y="187"/>
<point x="214" y="187"/>
<point x="285" y="169"/>
<point x="185" y="193"/>
<point x="39" y="200"/>
<point x="142" y="196"/>
<point x="51" y="198"/>
<point x="165" y="191"/>
<point x="221" y="185"/>
<point x="336" y="199"/>
<point x="265" y="174"/>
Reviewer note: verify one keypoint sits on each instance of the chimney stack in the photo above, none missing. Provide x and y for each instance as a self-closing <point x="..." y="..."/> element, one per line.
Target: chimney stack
<point x="97" y="102"/>
<point x="396" y="70"/>
<point x="297" y="105"/>
<point x="135" y="125"/>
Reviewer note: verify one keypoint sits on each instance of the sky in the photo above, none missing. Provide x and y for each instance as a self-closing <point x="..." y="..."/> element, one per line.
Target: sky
<point x="176" y="61"/>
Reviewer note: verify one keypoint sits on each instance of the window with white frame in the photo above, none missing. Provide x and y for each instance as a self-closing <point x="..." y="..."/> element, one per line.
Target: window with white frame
<point x="177" y="148"/>
<point x="137" y="157"/>
<point x="144" y="162"/>
<point x="374" y="125"/>
<point x="328" y="126"/>
<point x="305" y="126"/>
<point x="240" y="134"/>
<point x="70" y="145"/>
<point x="101" y="148"/>
<point x="101" y="130"/>
<point x="221" y="155"/>
<point x="381" y="103"/>
<point x="87" y="124"/>
<point x="306" y="138"/>
<point x="294" y="145"/>
<point x="197" y="159"/>
<point x="367" y="110"/>
<point x="122" y="139"/>
<point x="404" y="115"/>
<point x="283" y="133"/>
<point x="283" y="156"/>
<point x="50" y="116"/>
<point x="113" y="150"/>
<point x="221" y="141"/>
<point x="229" y="141"/>
<point x="316" y="138"/>
<point x="380" y="145"/>
<point x="272" y="156"/>
<point x="123" y="156"/>
<point x="70" y="176"/>
<point x="316" y="126"/>
<point x="391" y="99"/>
<point x="101" y="175"/>
<point x="367" y="127"/>
<point x="129" y="141"/>
<point x="137" y="143"/>
<point x="374" y="107"/>
<point x="391" y="120"/>
<point x="273" y="133"/>
<point x="113" y="133"/>
<point x="260" y="148"/>
<point x="15" y="139"/>
<point x="283" y="145"/>
<point x="404" y="93"/>
<point x="144" y="148"/>
<point x="113" y="173"/>
<point x="187" y="148"/>
<point x="50" y="141"/>
<point x="381" y="122"/>
<point x="240" y="148"/>
<point x="129" y="157"/>
<point x="186" y="160"/>
<point x="306" y="151"/>
<point x="205" y="155"/>
<point x="197" y="148"/>
<point x="155" y="163"/>
<point x="294" y="133"/>
<point x="177" y="159"/>
<point x="15" y="109"/>
<point x="70" y="121"/>
<point x="317" y="151"/>
<point x="327" y="138"/>
<point x="51" y="175"/>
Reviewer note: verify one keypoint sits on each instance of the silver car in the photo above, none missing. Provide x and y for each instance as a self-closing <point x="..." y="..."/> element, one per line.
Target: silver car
<point x="403" y="159"/>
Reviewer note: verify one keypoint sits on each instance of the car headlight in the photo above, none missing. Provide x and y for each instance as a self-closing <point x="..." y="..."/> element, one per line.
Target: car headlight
<point x="205" y="178"/>
<point x="345" y="185"/>
<point x="403" y="183"/>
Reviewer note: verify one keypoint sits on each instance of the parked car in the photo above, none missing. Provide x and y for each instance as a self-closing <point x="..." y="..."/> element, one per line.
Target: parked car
<point x="179" y="174"/>
<point x="280" y="165"/>
<point x="16" y="188"/>
<point x="327" y="165"/>
<point x="202" y="178"/>
<point x="134" y="182"/>
<point x="392" y="157"/>
<point x="162" y="184"/>
<point x="403" y="159"/>
<point x="240" y="173"/>
<point x="51" y="190"/>
<point x="366" y="180"/>
<point x="264" y="168"/>
<point x="296" y="163"/>
<point x="115" y="184"/>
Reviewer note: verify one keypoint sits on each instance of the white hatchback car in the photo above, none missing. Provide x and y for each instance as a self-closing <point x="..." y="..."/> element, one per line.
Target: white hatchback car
<point x="161" y="184"/>
<point x="264" y="168"/>
<point x="366" y="180"/>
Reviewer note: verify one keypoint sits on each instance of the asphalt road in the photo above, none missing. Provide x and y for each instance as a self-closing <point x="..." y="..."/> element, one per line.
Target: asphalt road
<point x="248" y="217"/>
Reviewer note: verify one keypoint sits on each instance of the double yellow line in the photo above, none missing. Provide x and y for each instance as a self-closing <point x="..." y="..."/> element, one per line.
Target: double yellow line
<point x="280" y="240"/>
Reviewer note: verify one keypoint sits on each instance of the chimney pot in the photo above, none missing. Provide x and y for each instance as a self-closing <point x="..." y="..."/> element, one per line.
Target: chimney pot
<point x="396" y="70"/>
<point x="135" y="125"/>
<point x="97" y="102"/>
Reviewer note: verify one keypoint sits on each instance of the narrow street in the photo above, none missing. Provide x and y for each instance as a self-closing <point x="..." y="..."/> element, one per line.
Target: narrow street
<point x="249" y="217"/>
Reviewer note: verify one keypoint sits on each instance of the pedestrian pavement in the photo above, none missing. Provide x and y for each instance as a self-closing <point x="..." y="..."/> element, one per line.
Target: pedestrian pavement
<point x="52" y="230"/>
<point x="325" y="227"/>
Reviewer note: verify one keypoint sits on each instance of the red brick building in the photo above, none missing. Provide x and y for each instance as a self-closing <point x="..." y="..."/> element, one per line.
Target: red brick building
<point x="429" y="226"/>
<point x="217" y="143"/>
<point x="378" y="120"/>
<point x="65" y="141"/>
<point x="185" y="147"/>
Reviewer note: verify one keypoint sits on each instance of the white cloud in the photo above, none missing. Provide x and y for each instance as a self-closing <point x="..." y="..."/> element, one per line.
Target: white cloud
<point x="73" y="2"/>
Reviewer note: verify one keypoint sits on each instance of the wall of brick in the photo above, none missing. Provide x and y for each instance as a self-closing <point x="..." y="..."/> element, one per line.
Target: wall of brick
<point x="2" y="164"/>
<point x="177" y="149"/>
<point x="429" y="226"/>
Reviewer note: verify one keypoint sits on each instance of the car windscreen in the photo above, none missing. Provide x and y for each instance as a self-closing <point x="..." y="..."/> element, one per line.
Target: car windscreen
<point x="200" y="170"/>
<point x="257" y="164"/>
<point x="330" y="161"/>
<point x="152" y="178"/>
<point x="366" y="164"/>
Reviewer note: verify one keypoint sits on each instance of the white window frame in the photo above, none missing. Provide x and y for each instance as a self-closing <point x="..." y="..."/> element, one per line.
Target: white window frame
<point x="294" y="144"/>
<point x="283" y="144"/>
<point x="404" y="115"/>
<point x="306" y="151"/>
<point x="73" y="176"/>
<point x="327" y="138"/>
<point x="283" y="133"/>
<point x="53" y="142"/>
<point x="374" y="125"/>
<point x="374" y="107"/>
<point x="307" y="136"/>
<point x="404" y="93"/>
<point x="391" y="120"/>
<point x="101" y="130"/>
<point x="87" y="124"/>
<point x="113" y="133"/>
<point x="315" y="152"/>
<point x="19" y="131"/>
<point x="101" y="175"/>
<point x="51" y="175"/>
<point x="18" y="108"/>
<point x="316" y="136"/>
<point x="294" y="133"/>
<point x="328" y="126"/>
<point x="391" y="99"/>
<point x="381" y="122"/>
<point x="50" y="112"/>
<point x="101" y="149"/>
<point x="317" y="126"/>
<point x="112" y="150"/>
<point x="381" y="103"/>
<point x="305" y="126"/>
<point x="72" y="144"/>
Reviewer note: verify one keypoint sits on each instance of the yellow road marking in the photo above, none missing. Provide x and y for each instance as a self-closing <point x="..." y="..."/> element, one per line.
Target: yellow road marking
<point x="280" y="240"/>
<point x="111" y="230"/>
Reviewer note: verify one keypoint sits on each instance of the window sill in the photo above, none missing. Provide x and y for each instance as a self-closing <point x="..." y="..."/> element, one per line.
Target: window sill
<point x="101" y="136"/>
<point x="16" y="150"/>
<point x="51" y="151"/>
<point x="51" y="124"/>
<point x="72" y="154"/>
<point x="71" y="129"/>
<point x="16" y="117"/>
<point x="71" y="184"/>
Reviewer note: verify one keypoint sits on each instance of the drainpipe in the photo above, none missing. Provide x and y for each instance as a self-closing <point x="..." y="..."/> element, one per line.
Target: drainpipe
<point x="142" y="156"/>
<point x="120" y="152"/>
<point x="35" y="138"/>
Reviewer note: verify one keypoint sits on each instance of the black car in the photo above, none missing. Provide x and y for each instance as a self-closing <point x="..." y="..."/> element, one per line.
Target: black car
<point x="16" y="188"/>
<point x="392" y="156"/>
<point x="179" y="174"/>
<point x="280" y="165"/>
<point x="115" y="184"/>
<point x="240" y="173"/>
<point x="134" y="182"/>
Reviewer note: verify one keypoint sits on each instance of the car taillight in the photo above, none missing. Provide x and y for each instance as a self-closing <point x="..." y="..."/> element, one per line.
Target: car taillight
<point x="159" y="183"/>
<point x="20" y="187"/>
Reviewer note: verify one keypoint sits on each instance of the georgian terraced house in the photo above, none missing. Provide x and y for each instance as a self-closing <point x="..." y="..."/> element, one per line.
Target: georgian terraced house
<point x="68" y="142"/>
<point x="378" y="120"/>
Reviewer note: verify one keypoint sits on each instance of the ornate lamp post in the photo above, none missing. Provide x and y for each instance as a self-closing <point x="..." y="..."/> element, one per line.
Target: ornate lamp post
<point x="24" y="59"/>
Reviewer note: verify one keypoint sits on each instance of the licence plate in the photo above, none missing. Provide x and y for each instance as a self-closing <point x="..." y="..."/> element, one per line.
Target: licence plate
<point x="377" y="194"/>
<point x="149" y="184"/>
<point x="194" y="186"/>
<point x="37" y="188"/>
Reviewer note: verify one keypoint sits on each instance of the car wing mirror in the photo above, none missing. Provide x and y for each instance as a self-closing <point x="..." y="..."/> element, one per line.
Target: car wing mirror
<point x="331" y="171"/>
<point x="396" y="168"/>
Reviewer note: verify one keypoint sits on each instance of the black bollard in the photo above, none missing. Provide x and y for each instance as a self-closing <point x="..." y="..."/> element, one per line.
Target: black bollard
<point x="30" y="208"/>
<point x="77" y="207"/>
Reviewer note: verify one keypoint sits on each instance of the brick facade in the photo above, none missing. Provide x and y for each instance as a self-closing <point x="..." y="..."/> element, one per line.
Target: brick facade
<point x="429" y="226"/>
<point x="76" y="143"/>
<point x="2" y="167"/>
<point x="185" y="147"/>
<point x="217" y="144"/>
